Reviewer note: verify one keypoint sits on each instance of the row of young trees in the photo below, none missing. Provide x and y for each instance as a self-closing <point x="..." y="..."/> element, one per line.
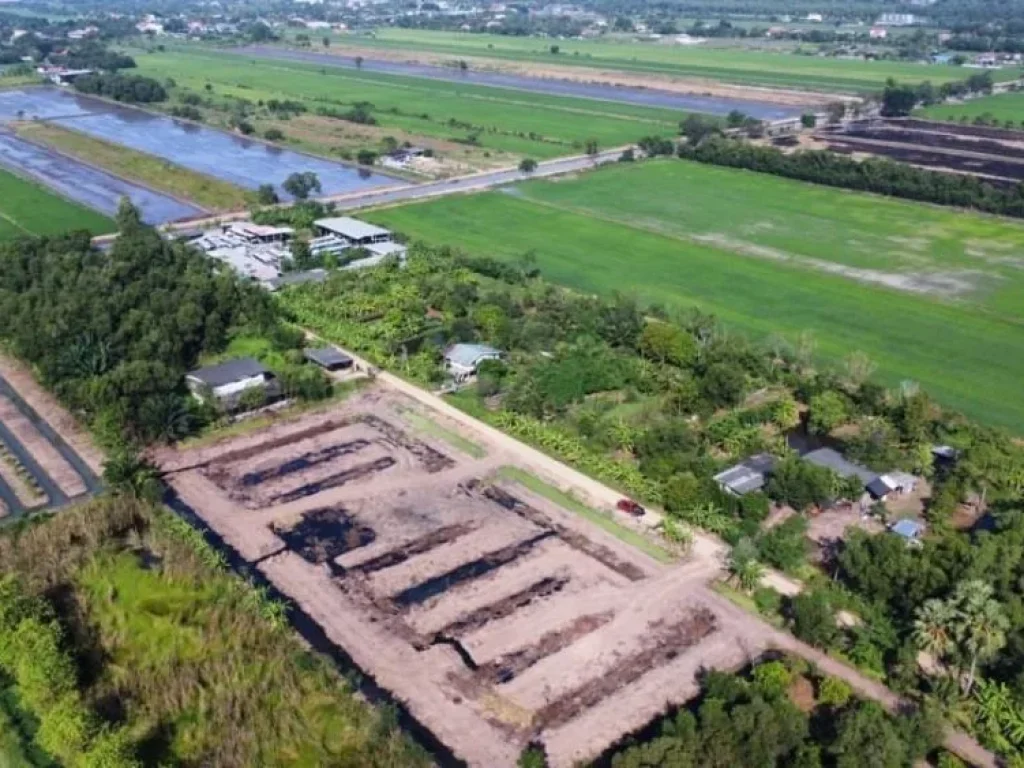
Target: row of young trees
<point x="880" y="176"/>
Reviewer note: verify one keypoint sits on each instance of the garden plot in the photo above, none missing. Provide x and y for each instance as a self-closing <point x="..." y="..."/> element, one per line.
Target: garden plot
<point x="494" y="615"/>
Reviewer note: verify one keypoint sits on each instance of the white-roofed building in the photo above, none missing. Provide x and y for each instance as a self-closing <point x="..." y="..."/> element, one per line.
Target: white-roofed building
<point x="463" y="360"/>
<point x="352" y="231"/>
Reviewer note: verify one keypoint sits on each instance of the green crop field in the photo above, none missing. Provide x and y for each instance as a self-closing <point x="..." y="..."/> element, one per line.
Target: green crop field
<point x="505" y="120"/>
<point x="1001" y="106"/>
<point x="727" y="65"/>
<point x="929" y="294"/>
<point x="28" y="209"/>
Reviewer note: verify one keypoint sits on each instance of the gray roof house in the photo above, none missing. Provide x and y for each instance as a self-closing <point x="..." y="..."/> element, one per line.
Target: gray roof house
<point x="226" y="382"/>
<point x="831" y="459"/>
<point x="748" y="476"/>
<point x="352" y="231"/>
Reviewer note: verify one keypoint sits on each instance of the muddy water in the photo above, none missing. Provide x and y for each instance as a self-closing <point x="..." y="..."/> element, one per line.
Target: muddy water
<point x="89" y="186"/>
<point x="235" y="159"/>
<point x="645" y="97"/>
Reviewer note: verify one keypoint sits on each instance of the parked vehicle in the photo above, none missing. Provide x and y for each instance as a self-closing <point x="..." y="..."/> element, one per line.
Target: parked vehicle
<point x="630" y="507"/>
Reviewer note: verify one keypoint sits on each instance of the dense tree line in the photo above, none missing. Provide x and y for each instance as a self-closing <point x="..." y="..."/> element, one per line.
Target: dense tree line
<point x="128" y="88"/>
<point x="882" y="176"/>
<point x="754" y="722"/>
<point x="113" y="332"/>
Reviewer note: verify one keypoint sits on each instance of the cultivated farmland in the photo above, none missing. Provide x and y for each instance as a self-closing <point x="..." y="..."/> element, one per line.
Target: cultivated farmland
<point x="1000" y="106"/>
<point x="912" y="286"/>
<point x="28" y="209"/>
<point x="782" y="70"/>
<point x="475" y="117"/>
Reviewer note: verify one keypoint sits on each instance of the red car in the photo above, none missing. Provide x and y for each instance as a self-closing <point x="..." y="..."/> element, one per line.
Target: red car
<point x="630" y="507"/>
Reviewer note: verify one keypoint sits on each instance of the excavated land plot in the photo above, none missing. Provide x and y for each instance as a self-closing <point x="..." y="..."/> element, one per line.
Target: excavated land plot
<point x="494" y="615"/>
<point x="995" y="156"/>
<point x="41" y="449"/>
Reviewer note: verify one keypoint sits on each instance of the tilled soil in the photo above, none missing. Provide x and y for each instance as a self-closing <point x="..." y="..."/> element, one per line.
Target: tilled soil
<point x="49" y="459"/>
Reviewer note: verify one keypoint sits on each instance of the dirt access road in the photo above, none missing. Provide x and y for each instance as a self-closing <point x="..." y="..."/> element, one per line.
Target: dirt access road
<point x="711" y="551"/>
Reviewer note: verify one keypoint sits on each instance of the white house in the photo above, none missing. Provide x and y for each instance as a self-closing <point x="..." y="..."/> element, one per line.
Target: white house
<point x="463" y="360"/>
<point x="226" y="383"/>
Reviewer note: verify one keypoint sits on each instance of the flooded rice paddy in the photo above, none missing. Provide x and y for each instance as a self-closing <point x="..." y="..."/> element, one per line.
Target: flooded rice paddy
<point x="234" y="159"/>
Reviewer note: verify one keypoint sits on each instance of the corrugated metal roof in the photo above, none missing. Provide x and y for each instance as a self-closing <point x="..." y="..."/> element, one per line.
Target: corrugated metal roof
<point x="747" y="476"/>
<point x="470" y="355"/>
<point x="831" y="459"/>
<point x="351" y="228"/>
<point x="229" y="371"/>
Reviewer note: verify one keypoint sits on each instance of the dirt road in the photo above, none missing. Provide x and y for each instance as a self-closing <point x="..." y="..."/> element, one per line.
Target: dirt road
<point x="706" y="548"/>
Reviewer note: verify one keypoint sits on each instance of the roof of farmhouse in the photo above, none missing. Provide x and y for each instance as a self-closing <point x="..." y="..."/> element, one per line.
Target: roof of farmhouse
<point x="228" y="372"/>
<point x="355" y="229"/>
<point x="468" y="355"/>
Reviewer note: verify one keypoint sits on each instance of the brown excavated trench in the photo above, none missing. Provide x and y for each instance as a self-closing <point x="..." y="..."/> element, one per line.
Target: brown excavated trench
<point x="577" y="541"/>
<point x="665" y="641"/>
<point x="477" y="619"/>
<point x="415" y="547"/>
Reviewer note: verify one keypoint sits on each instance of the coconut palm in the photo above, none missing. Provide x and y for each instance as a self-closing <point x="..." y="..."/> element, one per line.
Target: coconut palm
<point x="934" y="626"/>
<point x="980" y="627"/>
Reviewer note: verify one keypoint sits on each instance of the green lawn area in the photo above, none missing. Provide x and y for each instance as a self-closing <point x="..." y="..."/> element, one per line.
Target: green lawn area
<point x="600" y="519"/>
<point x="504" y="120"/>
<point x="430" y="427"/>
<point x="723" y="64"/>
<point x="1001" y="106"/>
<point x="773" y="257"/>
<point x="28" y="209"/>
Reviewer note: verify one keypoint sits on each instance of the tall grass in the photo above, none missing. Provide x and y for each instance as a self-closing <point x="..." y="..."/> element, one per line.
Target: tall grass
<point x="199" y="666"/>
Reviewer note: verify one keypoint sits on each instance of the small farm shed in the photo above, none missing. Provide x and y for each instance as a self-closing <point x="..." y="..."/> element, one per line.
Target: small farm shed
<point x="328" y="358"/>
<point x="748" y="476"/>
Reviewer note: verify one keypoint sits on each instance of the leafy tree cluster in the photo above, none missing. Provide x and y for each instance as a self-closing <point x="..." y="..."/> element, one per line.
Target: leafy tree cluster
<point x="112" y="333"/>
<point x="128" y="88"/>
<point x="94" y="55"/>
<point x="740" y="721"/>
<point x="899" y="100"/>
<point x="881" y="176"/>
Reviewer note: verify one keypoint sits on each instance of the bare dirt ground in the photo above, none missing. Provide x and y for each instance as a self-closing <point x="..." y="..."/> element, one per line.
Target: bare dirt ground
<point x="47" y="407"/>
<point x="51" y="461"/>
<point x="577" y="74"/>
<point x="495" y="615"/>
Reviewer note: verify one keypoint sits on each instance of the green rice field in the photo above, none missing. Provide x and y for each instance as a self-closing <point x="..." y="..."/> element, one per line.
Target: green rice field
<point x="531" y="124"/>
<point x="28" y="209"/>
<point x="1000" y="106"/>
<point x="732" y="65"/>
<point x="931" y="295"/>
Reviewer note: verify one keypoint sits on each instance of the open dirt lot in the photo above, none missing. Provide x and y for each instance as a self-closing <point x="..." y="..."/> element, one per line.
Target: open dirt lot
<point x="45" y="458"/>
<point x="494" y="615"/>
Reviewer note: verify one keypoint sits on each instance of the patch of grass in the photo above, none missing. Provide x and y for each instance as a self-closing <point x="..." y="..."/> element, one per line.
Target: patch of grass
<point x="1001" y="106"/>
<point x="501" y="119"/>
<point x="454" y="439"/>
<point x="17" y="749"/>
<point x="151" y="171"/>
<point x="600" y="519"/>
<point x="27" y="209"/>
<point x="732" y="65"/>
<point x="773" y="258"/>
<point x="746" y="602"/>
<point x="201" y="668"/>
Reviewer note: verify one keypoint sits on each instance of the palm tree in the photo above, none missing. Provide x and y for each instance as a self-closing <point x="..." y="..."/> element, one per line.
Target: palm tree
<point x="743" y="565"/>
<point x="933" y="628"/>
<point x="981" y="625"/>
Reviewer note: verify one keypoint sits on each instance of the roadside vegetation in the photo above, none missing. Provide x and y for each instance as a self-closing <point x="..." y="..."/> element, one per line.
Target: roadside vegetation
<point x="27" y="209"/>
<point x="657" y="403"/>
<point x="210" y="193"/>
<point x="782" y="714"/>
<point x="127" y="643"/>
<point x="799" y="266"/>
